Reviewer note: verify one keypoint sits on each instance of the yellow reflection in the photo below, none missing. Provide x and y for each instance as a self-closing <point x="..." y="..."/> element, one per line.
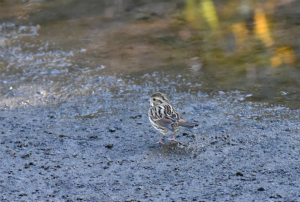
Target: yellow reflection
<point x="210" y="14"/>
<point x="205" y="10"/>
<point x="283" y="55"/>
<point x="193" y="11"/>
<point x="240" y="32"/>
<point x="261" y="28"/>
<point x="192" y="14"/>
<point x="275" y="61"/>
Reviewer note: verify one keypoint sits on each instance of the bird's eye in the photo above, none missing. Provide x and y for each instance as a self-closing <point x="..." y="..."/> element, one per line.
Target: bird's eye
<point x="154" y="99"/>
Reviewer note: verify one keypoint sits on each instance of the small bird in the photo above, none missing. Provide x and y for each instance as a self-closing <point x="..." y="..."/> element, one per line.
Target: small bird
<point x="165" y="118"/>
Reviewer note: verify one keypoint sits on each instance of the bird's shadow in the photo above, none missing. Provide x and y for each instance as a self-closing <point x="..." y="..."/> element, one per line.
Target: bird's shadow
<point x="174" y="149"/>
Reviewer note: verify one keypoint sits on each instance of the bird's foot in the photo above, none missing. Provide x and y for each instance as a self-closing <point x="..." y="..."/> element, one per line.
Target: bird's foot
<point x="159" y="142"/>
<point x="173" y="139"/>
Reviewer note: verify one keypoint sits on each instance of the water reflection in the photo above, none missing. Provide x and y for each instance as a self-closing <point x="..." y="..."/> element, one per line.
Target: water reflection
<point x="205" y="9"/>
<point x="241" y="33"/>
<point x="197" y="11"/>
<point x="285" y="55"/>
<point x="210" y="14"/>
<point x="259" y="42"/>
<point x="214" y="45"/>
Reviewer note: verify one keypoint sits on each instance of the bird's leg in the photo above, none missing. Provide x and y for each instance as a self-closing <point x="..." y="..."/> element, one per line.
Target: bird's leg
<point x="174" y="136"/>
<point x="161" y="140"/>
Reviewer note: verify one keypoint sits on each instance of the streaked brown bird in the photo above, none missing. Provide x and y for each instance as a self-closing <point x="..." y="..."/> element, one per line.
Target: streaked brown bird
<point x="165" y="118"/>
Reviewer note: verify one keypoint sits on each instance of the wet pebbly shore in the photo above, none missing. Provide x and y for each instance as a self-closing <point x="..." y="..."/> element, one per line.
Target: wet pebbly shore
<point x="101" y="147"/>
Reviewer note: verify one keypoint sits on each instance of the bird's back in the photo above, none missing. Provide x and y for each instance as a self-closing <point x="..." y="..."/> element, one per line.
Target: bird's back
<point x="164" y="117"/>
<point x="163" y="111"/>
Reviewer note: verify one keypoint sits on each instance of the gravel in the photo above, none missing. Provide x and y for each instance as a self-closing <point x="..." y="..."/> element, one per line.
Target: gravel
<point x="240" y="151"/>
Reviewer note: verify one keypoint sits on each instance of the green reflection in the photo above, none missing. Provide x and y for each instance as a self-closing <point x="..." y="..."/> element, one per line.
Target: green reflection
<point x="205" y="9"/>
<point x="210" y="14"/>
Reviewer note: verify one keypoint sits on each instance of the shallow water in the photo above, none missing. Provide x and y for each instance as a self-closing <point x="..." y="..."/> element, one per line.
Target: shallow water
<point x="52" y="51"/>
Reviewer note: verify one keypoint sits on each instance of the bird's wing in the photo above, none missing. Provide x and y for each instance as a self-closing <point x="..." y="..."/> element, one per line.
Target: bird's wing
<point x="165" y="115"/>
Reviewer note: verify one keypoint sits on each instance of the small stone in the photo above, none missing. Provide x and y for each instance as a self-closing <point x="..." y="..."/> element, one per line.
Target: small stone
<point x="261" y="189"/>
<point x="112" y="130"/>
<point x="93" y="137"/>
<point x="133" y="117"/>
<point x="26" y="156"/>
<point x="109" y="146"/>
<point x="239" y="174"/>
<point x="213" y="142"/>
<point x="283" y="93"/>
<point x="185" y="134"/>
<point x="276" y="196"/>
<point x="27" y="165"/>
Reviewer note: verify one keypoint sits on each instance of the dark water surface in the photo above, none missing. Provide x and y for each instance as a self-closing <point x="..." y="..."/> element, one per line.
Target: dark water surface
<point x="61" y="48"/>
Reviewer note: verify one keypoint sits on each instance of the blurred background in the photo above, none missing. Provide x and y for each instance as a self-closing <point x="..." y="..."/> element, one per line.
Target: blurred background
<point x="62" y="49"/>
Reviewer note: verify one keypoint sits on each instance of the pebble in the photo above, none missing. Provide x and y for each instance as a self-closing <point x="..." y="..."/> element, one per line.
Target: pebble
<point x="26" y="155"/>
<point x="239" y="174"/>
<point x="112" y="130"/>
<point x="109" y="146"/>
<point x="27" y="165"/>
<point x="261" y="189"/>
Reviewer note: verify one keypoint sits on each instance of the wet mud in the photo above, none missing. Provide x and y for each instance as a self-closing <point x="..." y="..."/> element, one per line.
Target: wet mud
<point x="241" y="151"/>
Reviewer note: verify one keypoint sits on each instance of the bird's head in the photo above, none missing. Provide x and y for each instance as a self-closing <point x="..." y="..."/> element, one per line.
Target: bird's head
<point x="158" y="99"/>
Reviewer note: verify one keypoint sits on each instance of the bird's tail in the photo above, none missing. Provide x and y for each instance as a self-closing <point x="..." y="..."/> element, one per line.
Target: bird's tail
<point x="187" y="124"/>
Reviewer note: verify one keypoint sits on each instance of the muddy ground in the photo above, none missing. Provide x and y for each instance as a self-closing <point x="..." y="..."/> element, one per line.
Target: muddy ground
<point x="101" y="147"/>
